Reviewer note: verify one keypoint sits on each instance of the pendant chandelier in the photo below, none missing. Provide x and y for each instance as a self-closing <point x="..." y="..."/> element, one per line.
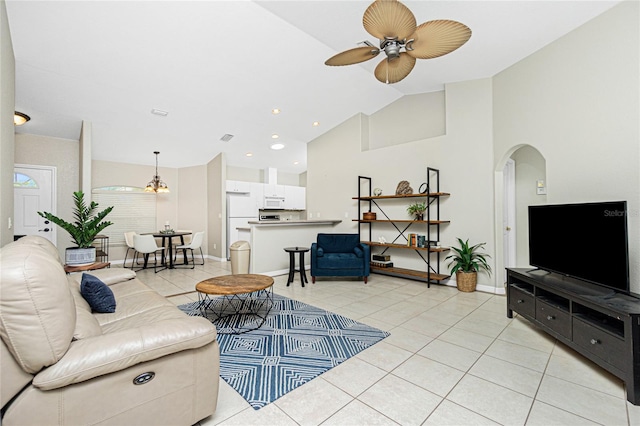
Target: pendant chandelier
<point x="156" y="184"/>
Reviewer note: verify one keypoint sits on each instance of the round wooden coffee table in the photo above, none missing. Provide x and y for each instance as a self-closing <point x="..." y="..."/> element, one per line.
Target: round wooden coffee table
<point x="237" y="303"/>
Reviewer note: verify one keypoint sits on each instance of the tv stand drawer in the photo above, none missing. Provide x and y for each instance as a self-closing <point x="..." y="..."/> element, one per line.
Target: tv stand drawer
<point x="554" y="318"/>
<point x="605" y="346"/>
<point x="521" y="301"/>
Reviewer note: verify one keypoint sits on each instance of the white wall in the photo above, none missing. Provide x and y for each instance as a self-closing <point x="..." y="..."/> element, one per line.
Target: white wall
<point x="216" y="206"/>
<point x="463" y="155"/>
<point x="7" y="144"/>
<point x="577" y="102"/>
<point x="423" y="116"/>
<point x="191" y="202"/>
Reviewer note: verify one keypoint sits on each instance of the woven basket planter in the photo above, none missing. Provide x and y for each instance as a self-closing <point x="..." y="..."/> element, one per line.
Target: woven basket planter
<point x="466" y="281"/>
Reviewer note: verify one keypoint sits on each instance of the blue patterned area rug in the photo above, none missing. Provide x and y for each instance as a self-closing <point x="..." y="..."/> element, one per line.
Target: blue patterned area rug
<point x="297" y="343"/>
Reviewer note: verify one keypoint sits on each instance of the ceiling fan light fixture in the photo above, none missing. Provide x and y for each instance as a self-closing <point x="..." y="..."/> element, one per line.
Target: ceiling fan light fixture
<point x="394" y="25"/>
<point x="19" y="118"/>
<point x="391" y="48"/>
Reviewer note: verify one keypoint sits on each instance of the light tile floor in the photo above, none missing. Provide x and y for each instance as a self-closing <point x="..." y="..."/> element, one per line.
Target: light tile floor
<point x="452" y="359"/>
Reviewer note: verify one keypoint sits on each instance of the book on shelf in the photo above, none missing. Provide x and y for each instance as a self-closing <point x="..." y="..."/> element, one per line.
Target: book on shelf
<point x="381" y="257"/>
<point x="388" y="264"/>
<point x="416" y="240"/>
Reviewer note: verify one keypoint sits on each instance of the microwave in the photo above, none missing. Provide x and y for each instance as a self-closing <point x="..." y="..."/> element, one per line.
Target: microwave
<point x="273" y="203"/>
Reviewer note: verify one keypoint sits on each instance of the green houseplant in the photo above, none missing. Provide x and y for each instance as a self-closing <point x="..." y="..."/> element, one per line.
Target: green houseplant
<point x="417" y="209"/>
<point x="465" y="262"/>
<point x="83" y="230"/>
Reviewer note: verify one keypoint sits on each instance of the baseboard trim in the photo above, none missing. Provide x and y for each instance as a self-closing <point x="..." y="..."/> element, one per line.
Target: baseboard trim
<point x="480" y="287"/>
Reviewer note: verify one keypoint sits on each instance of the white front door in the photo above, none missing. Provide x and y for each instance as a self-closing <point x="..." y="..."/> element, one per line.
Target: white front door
<point x="33" y="192"/>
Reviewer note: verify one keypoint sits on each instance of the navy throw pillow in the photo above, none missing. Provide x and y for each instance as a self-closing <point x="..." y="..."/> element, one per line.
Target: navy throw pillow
<point x="97" y="294"/>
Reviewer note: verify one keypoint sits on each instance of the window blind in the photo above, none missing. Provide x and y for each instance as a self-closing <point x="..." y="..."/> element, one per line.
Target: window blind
<point x="132" y="211"/>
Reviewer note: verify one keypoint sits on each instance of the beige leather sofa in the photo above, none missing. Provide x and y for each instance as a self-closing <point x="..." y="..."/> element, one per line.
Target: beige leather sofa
<point x="60" y="364"/>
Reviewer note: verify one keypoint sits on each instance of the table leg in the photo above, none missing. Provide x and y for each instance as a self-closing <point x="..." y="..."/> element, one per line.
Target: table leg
<point x="170" y="253"/>
<point x="292" y="269"/>
<point x="303" y="275"/>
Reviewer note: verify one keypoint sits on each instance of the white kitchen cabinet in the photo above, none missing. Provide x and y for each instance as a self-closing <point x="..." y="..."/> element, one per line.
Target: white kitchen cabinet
<point x="294" y="197"/>
<point x="272" y="190"/>
<point x="257" y="191"/>
<point x="238" y="186"/>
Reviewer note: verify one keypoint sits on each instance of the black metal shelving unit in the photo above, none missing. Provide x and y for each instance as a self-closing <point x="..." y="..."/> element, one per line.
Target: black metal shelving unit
<point x="431" y="274"/>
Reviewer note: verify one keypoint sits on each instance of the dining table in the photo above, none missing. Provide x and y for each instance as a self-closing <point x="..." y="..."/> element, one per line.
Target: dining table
<point x="167" y="241"/>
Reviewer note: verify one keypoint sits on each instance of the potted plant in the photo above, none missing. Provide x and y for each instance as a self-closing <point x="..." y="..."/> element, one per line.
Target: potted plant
<point x="417" y="209"/>
<point x="466" y="262"/>
<point x="83" y="231"/>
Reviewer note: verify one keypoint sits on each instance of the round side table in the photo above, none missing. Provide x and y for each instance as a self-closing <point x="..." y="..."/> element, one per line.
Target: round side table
<point x="292" y="264"/>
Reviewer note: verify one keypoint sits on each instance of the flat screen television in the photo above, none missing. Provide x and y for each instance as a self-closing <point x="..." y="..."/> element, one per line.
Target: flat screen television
<point x="587" y="241"/>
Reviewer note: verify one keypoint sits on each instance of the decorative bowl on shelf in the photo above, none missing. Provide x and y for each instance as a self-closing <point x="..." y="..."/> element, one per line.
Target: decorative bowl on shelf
<point x="369" y="216"/>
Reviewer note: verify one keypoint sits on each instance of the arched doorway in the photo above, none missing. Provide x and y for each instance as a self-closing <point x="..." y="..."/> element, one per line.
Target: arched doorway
<point x="520" y="181"/>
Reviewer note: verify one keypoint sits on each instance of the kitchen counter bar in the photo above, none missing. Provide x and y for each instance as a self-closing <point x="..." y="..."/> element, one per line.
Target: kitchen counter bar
<point x="269" y="238"/>
<point x="294" y="222"/>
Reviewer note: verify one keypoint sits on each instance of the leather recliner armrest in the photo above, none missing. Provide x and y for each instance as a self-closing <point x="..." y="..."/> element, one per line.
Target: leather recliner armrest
<point x="96" y="356"/>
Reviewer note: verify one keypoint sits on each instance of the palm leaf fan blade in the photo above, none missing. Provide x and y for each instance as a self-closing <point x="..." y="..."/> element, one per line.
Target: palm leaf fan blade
<point x="389" y="19"/>
<point x="437" y="38"/>
<point x="393" y="71"/>
<point x="353" y="56"/>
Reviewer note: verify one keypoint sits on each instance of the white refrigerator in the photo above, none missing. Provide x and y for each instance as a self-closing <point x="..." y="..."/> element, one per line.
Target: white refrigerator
<point x="241" y="208"/>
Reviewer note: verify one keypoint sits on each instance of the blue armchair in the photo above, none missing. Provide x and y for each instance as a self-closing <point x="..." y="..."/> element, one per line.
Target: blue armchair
<point x="339" y="255"/>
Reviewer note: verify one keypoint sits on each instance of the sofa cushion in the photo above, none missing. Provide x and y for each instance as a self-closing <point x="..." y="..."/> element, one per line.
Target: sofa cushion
<point x="340" y="261"/>
<point x="338" y="243"/>
<point x="86" y="325"/>
<point x="97" y="294"/>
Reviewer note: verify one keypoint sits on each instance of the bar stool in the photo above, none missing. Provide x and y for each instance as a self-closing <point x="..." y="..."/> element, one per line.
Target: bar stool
<point x="292" y="264"/>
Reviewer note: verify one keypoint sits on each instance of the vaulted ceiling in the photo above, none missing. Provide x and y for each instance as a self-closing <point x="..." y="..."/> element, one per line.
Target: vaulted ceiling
<point x="221" y="67"/>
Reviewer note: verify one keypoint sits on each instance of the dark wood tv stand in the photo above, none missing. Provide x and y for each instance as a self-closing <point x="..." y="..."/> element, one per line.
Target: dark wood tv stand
<point x="601" y="324"/>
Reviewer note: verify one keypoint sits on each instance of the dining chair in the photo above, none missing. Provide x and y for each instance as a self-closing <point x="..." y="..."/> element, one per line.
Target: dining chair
<point x="146" y="244"/>
<point x="195" y="244"/>
<point x="184" y="240"/>
<point x="128" y="239"/>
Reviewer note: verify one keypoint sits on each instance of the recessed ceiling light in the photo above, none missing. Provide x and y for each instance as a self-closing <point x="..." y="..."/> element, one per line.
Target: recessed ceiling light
<point x="159" y="112"/>
<point x="277" y="146"/>
<point x="249" y="154"/>
<point x="316" y="124"/>
<point x="274" y="136"/>
<point x="296" y="162"/>
<point x="275" y="111"/>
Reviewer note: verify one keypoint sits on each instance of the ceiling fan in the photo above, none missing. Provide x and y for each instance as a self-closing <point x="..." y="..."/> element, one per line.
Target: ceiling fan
<point x="402" y="41"/>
